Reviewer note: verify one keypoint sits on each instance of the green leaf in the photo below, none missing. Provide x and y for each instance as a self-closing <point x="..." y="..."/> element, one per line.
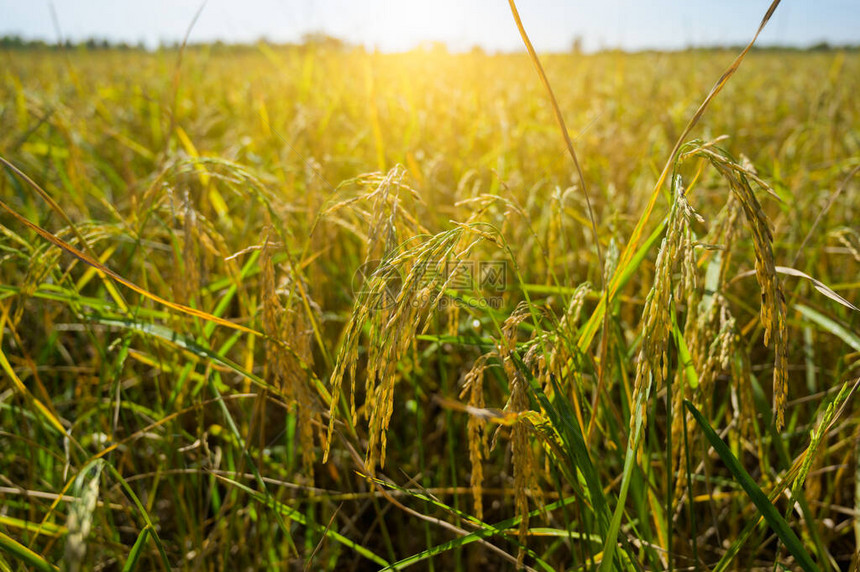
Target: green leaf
<point x="819" y="285"/>
<point x="831" y="326"/>
<point x="499" y="529"/>
<point x="627" y="476"/>
<point x="141" y="511"/>
<point x="563" y="419"/>
<point x="24" y="554"/>
<point x="296" y="516"/>
<point x="684" y="353"/>
<point x="136" y="550"/>
<point x="756" y="495"/>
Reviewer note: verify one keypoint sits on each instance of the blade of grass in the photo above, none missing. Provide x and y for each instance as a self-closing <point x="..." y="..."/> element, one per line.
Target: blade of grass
<point x="820" y="286"/>
<point x="143" y="513"/>
<point x="560" y="120"/>
<point x="486" y="531"/>
<point x="610" y="541"/>
<point x="563" y="418"/>
<point x="684" y="353"/>
<point x="117" y="297"/>
<point x="791" y="475"/>
<point x="136" y="550"/>
<point x="755" y="494"/>
<point x="190" y="345"/>
<point x="508" y="534"/>
<point x="296" y="516"/>
<point x="234" y="429"/>
<point x="834" y="410"/>
<point x="28" y="396"/>
<point x="589" y="330"/>
<point x="87" y="259"/>
<point x="25" y="555"/>
<point x="830" y="325"/>
<point x="48" y="529"/>
<point x="629" y="250"/>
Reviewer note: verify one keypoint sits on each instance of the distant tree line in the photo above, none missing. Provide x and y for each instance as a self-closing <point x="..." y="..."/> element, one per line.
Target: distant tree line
<point x="313" y="39"/>
<point x="16" y="42"/>
<point x="330" y="43"/>
<point x="817" y="47"/>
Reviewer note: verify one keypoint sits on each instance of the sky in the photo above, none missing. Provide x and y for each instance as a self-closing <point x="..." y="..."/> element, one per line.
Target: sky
<point x="394" y="25"/>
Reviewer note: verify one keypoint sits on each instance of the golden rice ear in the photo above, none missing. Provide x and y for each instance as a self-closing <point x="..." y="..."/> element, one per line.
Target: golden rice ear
<point x="393" y="308"/>
<point x="773" y="309"/>
<point x="850" y="239"/>
<point x="476" y="427"/>
<point x="525" y="478"/>
<point x="522" y="455"/>
<point x="288" y="356"/>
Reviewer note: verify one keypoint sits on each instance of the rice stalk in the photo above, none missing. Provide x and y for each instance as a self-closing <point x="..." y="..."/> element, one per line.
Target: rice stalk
<point x="773" y="307"/>
<point x="676" y="250"/>
<point x="285" y="369"/>
<point x="394" y="304"/>
<point x="476" y="428"/>
<point x="80" y="520"/>
<point x="523" y="459"/>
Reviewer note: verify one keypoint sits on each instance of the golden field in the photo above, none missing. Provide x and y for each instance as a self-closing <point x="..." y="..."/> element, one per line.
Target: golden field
<point x="314" y="307"/>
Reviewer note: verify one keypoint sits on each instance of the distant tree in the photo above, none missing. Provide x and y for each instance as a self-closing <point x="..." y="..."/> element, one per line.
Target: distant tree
<point x="11" y="42"/>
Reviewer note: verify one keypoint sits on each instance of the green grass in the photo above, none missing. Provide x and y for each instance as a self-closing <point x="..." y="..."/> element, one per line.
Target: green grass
<point x="184" y="342"/>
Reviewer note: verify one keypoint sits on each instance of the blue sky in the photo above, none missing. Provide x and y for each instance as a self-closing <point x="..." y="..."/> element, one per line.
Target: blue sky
<point x="396" y="25"/>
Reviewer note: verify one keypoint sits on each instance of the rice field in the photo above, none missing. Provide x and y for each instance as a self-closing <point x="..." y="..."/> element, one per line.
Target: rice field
<point x="316" y="307"/>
